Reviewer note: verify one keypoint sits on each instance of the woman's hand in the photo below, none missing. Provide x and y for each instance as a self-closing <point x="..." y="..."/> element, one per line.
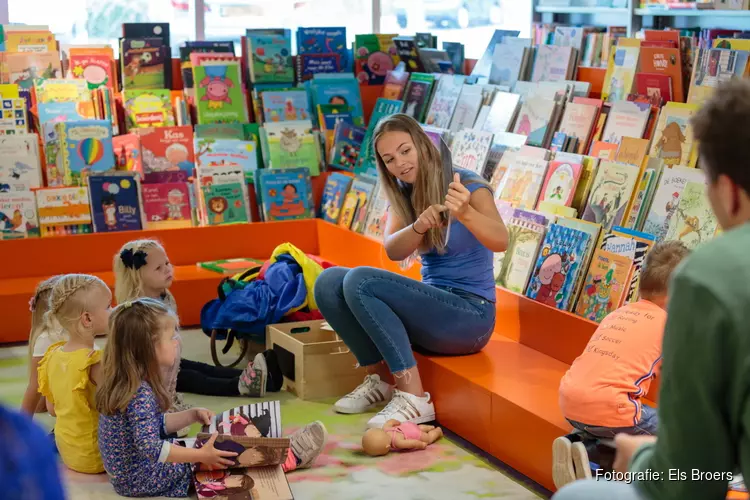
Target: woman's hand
<point x="212" y="456"/>
<point x="626" y="447"/>
<point x="430" y="218"/>
<point x="458" y="198"/>
<point x="203" y="416"/>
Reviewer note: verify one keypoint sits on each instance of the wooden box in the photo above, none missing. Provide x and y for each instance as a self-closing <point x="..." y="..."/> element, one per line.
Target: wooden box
<point x="315" y="361"/>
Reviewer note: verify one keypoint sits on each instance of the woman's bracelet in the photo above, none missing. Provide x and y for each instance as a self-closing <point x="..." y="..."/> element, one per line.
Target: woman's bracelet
<point x="415" y="229"/>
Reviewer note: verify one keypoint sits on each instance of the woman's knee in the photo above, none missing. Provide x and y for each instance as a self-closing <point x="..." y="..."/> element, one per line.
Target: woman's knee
<point x="358" y="277"/>
<point x="329" y="284"/>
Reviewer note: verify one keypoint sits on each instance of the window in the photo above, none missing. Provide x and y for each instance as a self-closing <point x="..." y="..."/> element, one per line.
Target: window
<point x="228" y="19"/>
<point x="470" y="22"/>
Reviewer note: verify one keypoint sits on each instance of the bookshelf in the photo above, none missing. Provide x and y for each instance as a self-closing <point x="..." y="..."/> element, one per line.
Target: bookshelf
<point x="594" y="16"/>
<point x="692" y="18"/>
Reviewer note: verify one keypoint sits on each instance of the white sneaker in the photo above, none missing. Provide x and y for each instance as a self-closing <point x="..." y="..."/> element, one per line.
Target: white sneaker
<point x="405" y="407"/>
<point x="370" y="393"/>
<point x="563" y="470"/>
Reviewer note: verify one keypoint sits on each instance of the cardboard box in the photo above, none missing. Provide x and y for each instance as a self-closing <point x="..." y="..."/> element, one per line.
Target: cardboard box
<point x="316" y="363"/>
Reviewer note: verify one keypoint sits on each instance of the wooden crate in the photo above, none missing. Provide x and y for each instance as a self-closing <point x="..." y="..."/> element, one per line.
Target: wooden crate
<point x="315" y="361"/>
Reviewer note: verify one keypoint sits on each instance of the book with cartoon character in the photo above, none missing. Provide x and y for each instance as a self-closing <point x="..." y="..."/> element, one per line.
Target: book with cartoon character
<point x="512" y="270"/>
<point x="673" y="139"/>
<point x="632" y="244"/>
<point x="128" y="153"/>
<point x="270" y="57"/>
<point x="285" y="105"/>
<point x="76" y="149"/>
<point x="115" y="202"/>
<point x="610" y="193"/>
<point x="558" y="267"/>
<point x="168" y="154"/>
<point x="347" y="141"/>
<point x="374" y="56"/>
<point x="63" y="210"/>
<point x="292" y="144"/>
<point x="18" y="215"/>
<point x="337" y="185"/>
<point x="694" y="221"/>
<point x="606" y="286"/>
<point x="15" y="116"/>
<point x="377" y="215"/>
<point x="167" y="205"/>
<point x="19" y="163"/>
<point x="560" y="183"/>
<point x="227" y="153"/>
<point x="354" y="210"/>
<point x="224" y="197"/>
<point x="148" y="108"/>
<point x="286" y="193"/>
<point x="667" y="198"/>
<point x="218" y="93"/>
<point x="254" y="433"/>
<point x="142" y="63"/>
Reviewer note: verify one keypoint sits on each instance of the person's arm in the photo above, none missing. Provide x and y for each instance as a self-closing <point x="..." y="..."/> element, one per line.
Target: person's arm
<point x="693" y="404"/>
<point x="401" y="240"/>
<point x="483" y="220"/>
<point x="32" y="397"/>
<point x="181" y="419"/>
<point x="206" y="454"/>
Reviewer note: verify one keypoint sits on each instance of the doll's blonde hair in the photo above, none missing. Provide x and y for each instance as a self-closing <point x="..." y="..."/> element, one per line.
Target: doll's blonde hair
<point x="70" y="299"/>
<point x="39" y="305"/>
<point x="128" y="279"/>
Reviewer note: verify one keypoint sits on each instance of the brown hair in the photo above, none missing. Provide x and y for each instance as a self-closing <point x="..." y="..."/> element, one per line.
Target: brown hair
<point x="659" y="266"/>
<point x="130" y="355"/>
<point x="68" y="300"/>
<point x="128" y="280"/>
<point x="428" y="188"/>
<point x="39" y="306"/>
<point x="722" y="127"/>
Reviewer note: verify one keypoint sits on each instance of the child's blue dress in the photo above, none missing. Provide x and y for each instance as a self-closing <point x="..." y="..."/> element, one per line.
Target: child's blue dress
<point x="134" y="448"/>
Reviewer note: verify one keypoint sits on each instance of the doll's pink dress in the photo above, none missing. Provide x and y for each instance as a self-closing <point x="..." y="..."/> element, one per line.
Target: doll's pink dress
<point x="409" y="430"/>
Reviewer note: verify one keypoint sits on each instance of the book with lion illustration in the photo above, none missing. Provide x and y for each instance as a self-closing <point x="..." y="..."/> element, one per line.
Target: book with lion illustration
<point x="254" y="433"/>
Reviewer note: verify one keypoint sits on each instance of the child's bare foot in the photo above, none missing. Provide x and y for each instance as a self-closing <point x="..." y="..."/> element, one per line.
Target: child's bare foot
<point x="308" y="443"/>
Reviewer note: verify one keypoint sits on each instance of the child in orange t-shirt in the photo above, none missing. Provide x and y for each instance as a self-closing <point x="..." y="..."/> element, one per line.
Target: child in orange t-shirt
<point x="601" y="393"/>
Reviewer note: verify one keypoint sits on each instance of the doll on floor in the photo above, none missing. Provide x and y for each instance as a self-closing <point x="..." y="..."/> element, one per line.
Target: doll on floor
<point x="399" y="436"/>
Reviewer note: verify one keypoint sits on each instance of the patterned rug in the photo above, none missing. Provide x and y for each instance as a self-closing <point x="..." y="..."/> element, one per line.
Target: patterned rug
<point x="445" y="470"/>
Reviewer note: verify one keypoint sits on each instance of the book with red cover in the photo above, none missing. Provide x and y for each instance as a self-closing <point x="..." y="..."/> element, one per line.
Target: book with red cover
<point x="654" y="84"/>
<point x="656" y="60"/>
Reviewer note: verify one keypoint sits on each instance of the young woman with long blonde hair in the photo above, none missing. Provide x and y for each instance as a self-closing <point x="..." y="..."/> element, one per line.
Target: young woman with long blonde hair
<point x="380" y="314"/>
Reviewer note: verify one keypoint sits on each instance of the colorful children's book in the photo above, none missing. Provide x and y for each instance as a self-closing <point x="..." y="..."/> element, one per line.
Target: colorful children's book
<point x="470" y="149"/>
<point x="218" y="93"/>
<point x="560" y="183"/>
<point x="374" y="56"/>
<point x="128" y="153"/>
<point x="337" y="185"/>
<point x="148" y="108"/>
<point x="142" y="63"/>
<point x="618" y="81"/>
<point x="63" y="211"/>
<point x="365" y="192"/>
<point x="18" y="215"/>
<point x="19" y="163"/>
<point x="15" y="118"/>
<point x="667" y="198"/>
<point x="224" y="196"/>
<point x="168" y="154"/>
<point x="517" y="263"/>
<point x="606" y="285"/>
<point x="270" y="57"/>
<point x="610" y="194"/>
<point x="167" y="205"/>
<point x="285" y="105"/>
<point x="356" y="199"/>
<point x="76" y="149"/>
<point x="115" y="202"/>
<point x="293" y="144"/>
<point x="642" y="243"/>
<point x="417" y="95"/>
<point x="383" y="108"/>
<point x="558" y="267"/>
<point x="230" y="267"/>
<point x="522" y="182"/>
<point x="673" y="138"/>
<point x="347" y="141"/>
<point x="694" y="222"/>
<point x="444" y="101"/>
<point x="96" y="65"/>
<point x="286" y="194"/>
<point x="227" y="153"/>
<point x="377" y="215"/>
<point x="534" y="119"/>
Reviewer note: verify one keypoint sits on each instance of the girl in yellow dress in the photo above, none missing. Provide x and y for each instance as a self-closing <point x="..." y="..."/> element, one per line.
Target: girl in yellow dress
<point x="69" y="370"/>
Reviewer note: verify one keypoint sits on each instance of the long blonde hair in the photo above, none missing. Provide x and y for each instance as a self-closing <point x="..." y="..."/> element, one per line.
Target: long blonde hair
<point x="428" y="188"/>
<point x="69" y="300"/>
<point x="129" y="357"/>
<point x="39" y="305"/>
<point x="127" y="267"/>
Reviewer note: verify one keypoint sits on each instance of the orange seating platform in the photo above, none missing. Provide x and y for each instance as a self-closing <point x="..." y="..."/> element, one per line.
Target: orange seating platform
<point x="503" y="399"/>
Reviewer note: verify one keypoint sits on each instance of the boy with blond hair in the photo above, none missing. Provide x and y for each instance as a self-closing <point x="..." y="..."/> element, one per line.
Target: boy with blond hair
<point x="601" y="393"/>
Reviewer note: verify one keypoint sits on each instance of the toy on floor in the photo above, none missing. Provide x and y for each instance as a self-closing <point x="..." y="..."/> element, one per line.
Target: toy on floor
<point x="399" y="436"/>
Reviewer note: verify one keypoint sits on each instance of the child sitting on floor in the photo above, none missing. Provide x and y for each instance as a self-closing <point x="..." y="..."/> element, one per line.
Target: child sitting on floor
<point x="142" y="269"/>
<point x="69" y="371"/>
<point x="40" y="339"/>
<point x="601" y="393"/>
<point x="143" y="340"/>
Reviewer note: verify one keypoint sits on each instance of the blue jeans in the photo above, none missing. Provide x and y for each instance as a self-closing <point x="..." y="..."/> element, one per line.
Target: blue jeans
<point x="379" y="315"/>
<point x="591" y="489"/>
<point x="646" y="426"/>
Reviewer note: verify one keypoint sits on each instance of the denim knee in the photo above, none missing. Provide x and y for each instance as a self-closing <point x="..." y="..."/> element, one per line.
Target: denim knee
<point x="355" y="278"/>
<point x="329" y="286"/>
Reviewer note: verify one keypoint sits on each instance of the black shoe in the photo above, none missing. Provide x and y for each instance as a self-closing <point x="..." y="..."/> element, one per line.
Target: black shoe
<point x="274" y="379"/>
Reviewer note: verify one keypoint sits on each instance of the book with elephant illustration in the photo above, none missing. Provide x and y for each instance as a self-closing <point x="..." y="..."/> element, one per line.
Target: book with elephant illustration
<point x="254" y="433"/>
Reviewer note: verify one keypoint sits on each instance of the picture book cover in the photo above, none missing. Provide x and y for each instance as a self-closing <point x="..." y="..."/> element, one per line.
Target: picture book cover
<point x="63" y="210"/>
<point x="374" y="56"/>
<point x="224" y="196"/>
<point x="18" y="215"/>
<point x="377" y="215"/>
<point x="560" y="183"/>
<point x="694" y="222"/>
<point x="606" y="285"/>
<point x="654" y="86"/>
<point x="618" y="81"/>
<point x="14" y="119"/>
<point x="25" y="68"/>
<point x="632" y="151"/>
<point x="673" y="138"/>
<point x="711" y="68"/>
<point x="470" y="149"/>
<point x="221" y="131"/>
<point x="507" y="60"/>
<point x="347" y="141"/>
<point x="286" y="105"/>
<point x="383" y="108"/>
<point x="293" y="144"/>
<point x="610" y="194"/>
<point x="63" y="100"/>
<point x="639" y="199"/>
<point x="578" y="121"/>
<point x="558" y="266"/>
<point x="77" y="149"/>
<point x="328" y="40"/>
<point x="218" y="93"/>
<point x="286" y="194"/>
<point x="167" y="205"/>
<point x="142" y="63"/>
<point x="524" y="239"/>
<point x="666" y="63"/>
<point x="417" y="95"/>
<point x="168" y="154"/>
<point x="533" y="120"/>
<point x="444" y="101"/>
<point x="626" y="119"/>
<point x="336" y="89"/>
<point x="337" y="185"/>
<point x="365" y="189"/>
<point x="148" y="108"/>
<point x="230" y="267"/>
<point x="355" y="200"/>
<point x="270" y="58"/>
<point x="642" y="242"/>
<point x="19" y="163"/>
<point x="551" y="63"/>
<point x="227" y="153"/>
<point x="503" y="112"/>
<point x="115" y="204"/>
<point x="97" y="68"/>
<point x="522" y="182"/>
<point x="128" y="153"/>
<point x="667" y="198"/>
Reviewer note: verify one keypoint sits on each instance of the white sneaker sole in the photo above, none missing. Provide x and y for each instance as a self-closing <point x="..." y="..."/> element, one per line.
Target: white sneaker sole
<point x="581" y="461"/>
<point x="419" y="420"/>
<point x="562" y="462"/>
<point x="357" y="411"/>
<point x="259" y="362"/>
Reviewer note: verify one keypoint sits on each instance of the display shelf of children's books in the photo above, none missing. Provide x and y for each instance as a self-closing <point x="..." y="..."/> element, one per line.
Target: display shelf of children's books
<point x="615" y="13"/>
